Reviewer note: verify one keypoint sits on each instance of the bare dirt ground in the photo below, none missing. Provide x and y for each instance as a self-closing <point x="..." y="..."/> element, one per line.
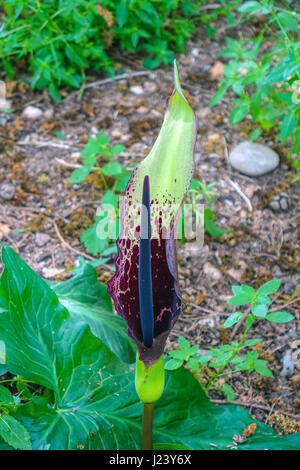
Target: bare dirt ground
<point x="263" y="243"/>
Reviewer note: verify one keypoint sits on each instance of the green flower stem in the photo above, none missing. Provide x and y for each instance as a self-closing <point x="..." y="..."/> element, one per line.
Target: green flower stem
<point x="147" y="426"/>
<point x="19" y="380"/>
<point x="100" y="172"/>
<point x="215" y="376"/>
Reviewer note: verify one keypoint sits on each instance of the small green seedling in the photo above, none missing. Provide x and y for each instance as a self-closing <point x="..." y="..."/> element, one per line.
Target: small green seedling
<point x="234" y="357"/>
<point x="99" y="157"/>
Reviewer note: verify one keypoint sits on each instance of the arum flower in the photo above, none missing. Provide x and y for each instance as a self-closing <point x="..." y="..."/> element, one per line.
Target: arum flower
<point x="144" y="286"/>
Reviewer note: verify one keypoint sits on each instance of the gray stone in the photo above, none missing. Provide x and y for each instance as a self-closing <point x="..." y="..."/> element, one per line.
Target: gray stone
<point x="287" y="364"/>
<point x="212" y="272"/>
<point x="253" y="159"/>
<point x="32" y="112"/>
<point x="136" y="90"/>
<point x="41" y="239"/>
<point x="150" y="87"/>
<point x="280" y="202"/>
<point x="7" y="191"/>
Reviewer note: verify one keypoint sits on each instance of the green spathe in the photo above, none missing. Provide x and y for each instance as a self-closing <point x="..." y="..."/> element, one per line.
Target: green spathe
<point x="170" y="164"/>
<point x="150" y="381"/>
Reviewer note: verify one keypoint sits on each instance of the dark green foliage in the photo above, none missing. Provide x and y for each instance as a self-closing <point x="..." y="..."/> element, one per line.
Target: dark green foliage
<point x="60" y="40"/>
<point x="266" y="79"/>
<point x="234" y="354"/>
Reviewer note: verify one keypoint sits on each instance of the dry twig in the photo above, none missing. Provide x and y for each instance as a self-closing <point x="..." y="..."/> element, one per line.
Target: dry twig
<point x="252" y="405"/>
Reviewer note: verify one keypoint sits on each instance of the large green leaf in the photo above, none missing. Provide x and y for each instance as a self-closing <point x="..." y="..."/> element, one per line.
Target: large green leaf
<point x="46" y="345"/>
<point x="95" y="405"/>
<point x="43" y="342"/>
<point x="86" y="299"/>
<point x="111" y="420"/>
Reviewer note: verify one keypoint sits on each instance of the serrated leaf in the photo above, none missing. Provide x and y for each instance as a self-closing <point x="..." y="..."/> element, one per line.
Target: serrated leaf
<point x="288" y="21"/>
<point x="261" y="368"/>
<point x="247" y="290"/>
<point x="251" y="342"/>
<point x="263" y="299"/>
<point x="238" y="113"/>
<point x="233" y="319"/>
<point x="110" y="198"/>
<point x="283" y="70"/>
<point x="259" y="310"/>
<point x="122" y="12"/>
<point x="14" y="433"/>
<point x="184" y="344"/>
<point x="250" y="7"/>
<point x="219" y="95"/>
<point x="228" y="392"/>
<point x="5" y="395"/>
<point x="116" y="149"/>
<point x="237" y="290"/>
<point x="241" y="299"/>
<point x="193" y="364"/>
<point x="269" y="287"/>
<point x="173" y="364"/>
<point x="280" y="317"/>
<point x="79" y="175"/>
<point x="178" y="354"/>
<point x="114" y="169"/>
<point x="288" y="125"/>
<point x="255" y="134"/>
<point x="210" y="225"/>
<point x="91" y="240"/>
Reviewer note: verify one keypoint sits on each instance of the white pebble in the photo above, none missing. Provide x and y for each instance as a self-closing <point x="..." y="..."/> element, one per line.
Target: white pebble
<point x="136" y="90"/>
<point x="253" y="159"/>
<point x="31" y="112"/>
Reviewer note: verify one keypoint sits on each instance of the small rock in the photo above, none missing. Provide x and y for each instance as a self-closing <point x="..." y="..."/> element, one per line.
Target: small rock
<point x="142" y="110"/>
<point x="41" y="239"/>
<point x="150" y="87"/>
<point x="280" y="202"/>
<point x="49" y="273"/>
<point x="217" y="71"/>
<point x="287" y="364"/>
<point x="136" y="90"/>
<point x="49" y="113"/>
<point x="204" y="112"/>
<point x="207" y="322"/>
<point x="253" y="159"/>
<point x="295" y="382"/>
<point x="195" y="52"/>
<point x="236" y="274"/>
<point x="4" y="230"/>
<point x="94" y="131"/>
<point x="212" y="272"/>
<point x="116" y="133"/>
<point x="5" y="104"/>
<point x="250" y="190"/>
<point x="7" y="191"/>
<point x="31" y="112"/>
